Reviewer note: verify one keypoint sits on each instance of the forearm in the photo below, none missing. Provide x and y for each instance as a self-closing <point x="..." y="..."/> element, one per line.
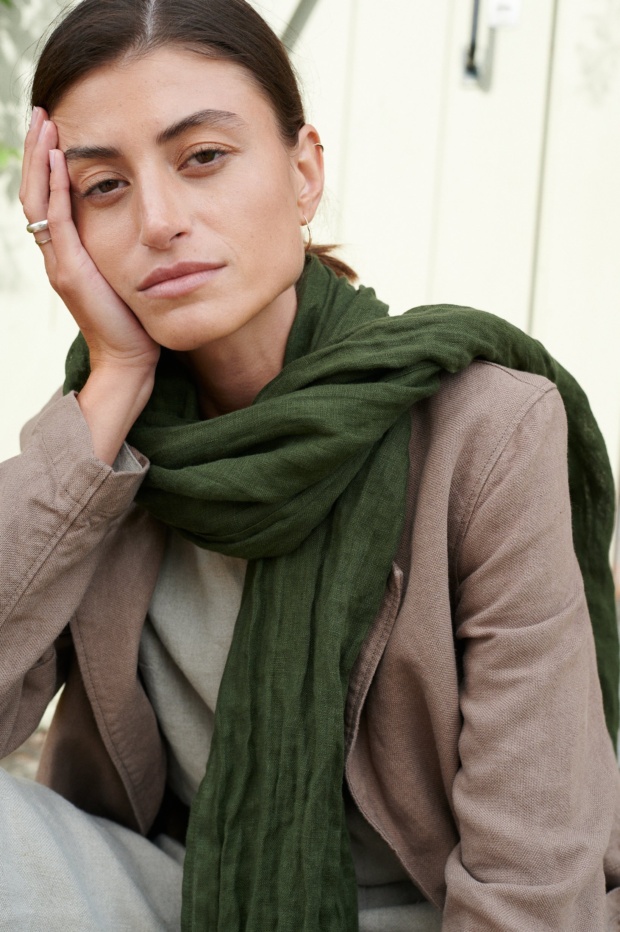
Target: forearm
<point x="534" y="795"/>
<point x="57" y="503"/>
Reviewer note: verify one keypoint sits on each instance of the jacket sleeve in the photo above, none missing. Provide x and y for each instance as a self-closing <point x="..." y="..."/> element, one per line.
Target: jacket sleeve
<point x="57" y="503"/>
<point x="534" y="794"/>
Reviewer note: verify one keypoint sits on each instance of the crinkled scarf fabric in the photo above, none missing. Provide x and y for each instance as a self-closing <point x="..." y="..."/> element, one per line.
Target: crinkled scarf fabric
<point x="309" y="485"/>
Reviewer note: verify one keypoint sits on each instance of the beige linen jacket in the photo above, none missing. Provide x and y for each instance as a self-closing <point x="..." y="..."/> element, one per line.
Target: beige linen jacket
<point x="476" y="744"/>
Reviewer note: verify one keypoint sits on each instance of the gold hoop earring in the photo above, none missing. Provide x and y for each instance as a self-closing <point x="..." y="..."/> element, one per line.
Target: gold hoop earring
<point x="306" y="223"/>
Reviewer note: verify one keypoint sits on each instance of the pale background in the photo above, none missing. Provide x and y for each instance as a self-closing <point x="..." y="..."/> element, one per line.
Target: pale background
<point x="505" y="198"/>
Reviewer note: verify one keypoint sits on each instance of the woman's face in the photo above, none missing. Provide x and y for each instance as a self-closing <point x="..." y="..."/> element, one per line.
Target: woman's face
<point x="184" y="194"/>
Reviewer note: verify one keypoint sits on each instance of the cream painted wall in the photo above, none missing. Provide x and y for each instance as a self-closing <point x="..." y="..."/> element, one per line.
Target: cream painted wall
<point x="490" y="161"/>
<point x="576" y="308"/>
<point x="35" y="328"/>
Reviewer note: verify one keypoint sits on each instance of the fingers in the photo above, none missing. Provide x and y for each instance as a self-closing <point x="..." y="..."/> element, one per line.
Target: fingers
<point x="37" y="118"/>
<point x="45" y="190"/>
<point x="34" y="152"/>
<point x="114" y="335"/>
<point x="67" y="244"/>
<point x="35" y="190"/>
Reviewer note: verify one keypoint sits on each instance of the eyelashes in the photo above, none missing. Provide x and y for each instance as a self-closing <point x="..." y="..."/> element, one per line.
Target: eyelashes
<point x="207" y="156"/>
<point x="102" y="188"/>
<point x="199" y="162"/>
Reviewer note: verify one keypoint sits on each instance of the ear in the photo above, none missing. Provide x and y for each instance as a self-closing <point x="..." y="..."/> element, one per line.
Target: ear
<point x="309" y="166"/>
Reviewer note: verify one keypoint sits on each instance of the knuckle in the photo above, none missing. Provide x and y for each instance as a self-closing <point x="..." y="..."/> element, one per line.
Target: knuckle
<point x="62" y="282"/>
<point x="29" y="212"/>
<point x="57" y="184"/>
<point x="66" y="286"/>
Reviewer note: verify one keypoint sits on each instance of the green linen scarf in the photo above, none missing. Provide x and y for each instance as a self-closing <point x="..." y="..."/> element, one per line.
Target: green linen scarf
<point x="309" y="485"/>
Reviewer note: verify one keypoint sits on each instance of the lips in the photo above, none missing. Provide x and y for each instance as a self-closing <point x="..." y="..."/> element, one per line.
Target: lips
<point x="178" y="270"/>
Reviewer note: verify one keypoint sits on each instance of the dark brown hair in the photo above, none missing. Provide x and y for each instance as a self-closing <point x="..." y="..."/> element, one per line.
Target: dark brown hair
<point x="98" y="32"/>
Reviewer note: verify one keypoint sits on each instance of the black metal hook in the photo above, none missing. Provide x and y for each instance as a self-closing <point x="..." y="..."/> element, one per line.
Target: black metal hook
<point x="471" y="68"/>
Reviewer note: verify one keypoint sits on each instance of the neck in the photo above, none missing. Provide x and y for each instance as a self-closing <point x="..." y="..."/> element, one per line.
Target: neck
<point x="230" y="372"/>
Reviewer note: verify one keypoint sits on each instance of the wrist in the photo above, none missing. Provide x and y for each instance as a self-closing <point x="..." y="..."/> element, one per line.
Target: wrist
<point x="110" y="401"/>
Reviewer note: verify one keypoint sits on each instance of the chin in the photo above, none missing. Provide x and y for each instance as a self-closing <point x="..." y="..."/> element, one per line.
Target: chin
<point x="186" y="329"/>
<point x="182" y="343"/>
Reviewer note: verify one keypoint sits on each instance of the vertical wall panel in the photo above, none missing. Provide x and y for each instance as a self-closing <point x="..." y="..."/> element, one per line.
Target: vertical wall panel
<point x="393" y="120"/>
<point x="577" y="298"/>
<point x="488" y="182"/>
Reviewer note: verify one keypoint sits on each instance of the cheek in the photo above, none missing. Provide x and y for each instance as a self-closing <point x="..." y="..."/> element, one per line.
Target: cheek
<point x="266" y="197"/>
<point x="273" y="223"/>
<point x="104" y="242"/>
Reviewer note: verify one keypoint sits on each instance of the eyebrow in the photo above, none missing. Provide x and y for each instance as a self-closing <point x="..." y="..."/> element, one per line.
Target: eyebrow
<point x="208" y="118"/>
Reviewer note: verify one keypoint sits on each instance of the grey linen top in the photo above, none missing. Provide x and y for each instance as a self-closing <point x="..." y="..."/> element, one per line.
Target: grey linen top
<point x="183" y="652"/>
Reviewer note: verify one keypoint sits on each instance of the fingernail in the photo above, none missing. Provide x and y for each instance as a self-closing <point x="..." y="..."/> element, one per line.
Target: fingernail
<point x="33" y="116"/>
<point x="52" y="158"/>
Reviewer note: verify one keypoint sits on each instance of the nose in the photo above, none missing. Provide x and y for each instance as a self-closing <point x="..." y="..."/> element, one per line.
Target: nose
<point x="163" y="214"/>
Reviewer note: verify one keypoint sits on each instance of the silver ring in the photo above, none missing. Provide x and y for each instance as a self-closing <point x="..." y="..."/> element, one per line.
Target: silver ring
<point x="37" y="227"/>
<point x="42" y="242"/>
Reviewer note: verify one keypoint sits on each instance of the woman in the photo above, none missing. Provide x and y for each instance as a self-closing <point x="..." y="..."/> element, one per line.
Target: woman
<point x="411" y="615"/>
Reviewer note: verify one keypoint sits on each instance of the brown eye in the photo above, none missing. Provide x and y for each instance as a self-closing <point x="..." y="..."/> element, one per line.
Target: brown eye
<point x="206" y="156"/>
<point x="108" y="186"/>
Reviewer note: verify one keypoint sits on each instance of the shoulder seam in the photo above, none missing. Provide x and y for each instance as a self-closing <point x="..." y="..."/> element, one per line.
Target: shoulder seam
<point x="537" y="394"/>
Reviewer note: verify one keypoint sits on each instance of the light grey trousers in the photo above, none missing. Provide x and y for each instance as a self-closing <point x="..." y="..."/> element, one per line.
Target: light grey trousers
<point x="62" y="870"/>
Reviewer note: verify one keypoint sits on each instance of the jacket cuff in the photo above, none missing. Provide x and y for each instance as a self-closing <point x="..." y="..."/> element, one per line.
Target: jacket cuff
<point x="65" y="440"/>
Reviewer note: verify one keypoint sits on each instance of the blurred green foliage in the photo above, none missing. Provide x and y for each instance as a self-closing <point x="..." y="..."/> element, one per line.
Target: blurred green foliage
<point x="7" y="153"/>
<point x="22" y="23"/>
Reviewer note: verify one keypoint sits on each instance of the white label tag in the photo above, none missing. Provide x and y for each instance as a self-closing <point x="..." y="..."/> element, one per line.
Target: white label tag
<point x="504" y="13"/>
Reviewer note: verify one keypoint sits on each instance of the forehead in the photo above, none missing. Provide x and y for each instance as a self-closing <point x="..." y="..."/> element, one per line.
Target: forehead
<point x="150" y="92"/>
